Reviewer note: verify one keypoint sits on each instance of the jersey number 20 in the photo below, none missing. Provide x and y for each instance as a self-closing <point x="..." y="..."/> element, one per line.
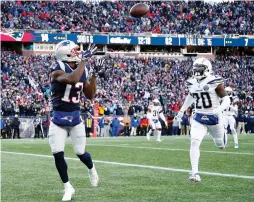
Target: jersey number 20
<point x="205" y="100"/>
<point x="73" y="99"/>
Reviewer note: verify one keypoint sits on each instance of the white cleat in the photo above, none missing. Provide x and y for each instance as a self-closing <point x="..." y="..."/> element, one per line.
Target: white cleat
<point x="195" y="178"/>
<point x="148" y="137"/>
<point x="68" y="192"/>
<point x="93" y="176"/>
<point x="159" y="140"/>
<point x="236" y="146"/>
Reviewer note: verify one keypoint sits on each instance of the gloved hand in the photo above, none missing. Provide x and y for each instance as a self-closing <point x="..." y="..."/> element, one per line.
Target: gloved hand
<point x="179" y="116"/>
<point x="89" y="52"/>
<point x="97" y="66"/>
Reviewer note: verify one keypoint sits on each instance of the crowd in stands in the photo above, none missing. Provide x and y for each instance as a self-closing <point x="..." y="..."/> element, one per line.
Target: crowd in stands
<point x="166" y="17"/>
<point x="127" y="85"/>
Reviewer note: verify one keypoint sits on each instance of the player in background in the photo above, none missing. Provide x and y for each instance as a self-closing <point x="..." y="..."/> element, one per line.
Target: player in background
<point x="154" y="114"/>
<point x="207" y="91"/>
<point x="68" y="80"/>
<point x="229" y="115"/>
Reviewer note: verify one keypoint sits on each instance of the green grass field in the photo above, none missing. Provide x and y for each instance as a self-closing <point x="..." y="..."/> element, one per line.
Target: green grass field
<point x="130" y="169"/>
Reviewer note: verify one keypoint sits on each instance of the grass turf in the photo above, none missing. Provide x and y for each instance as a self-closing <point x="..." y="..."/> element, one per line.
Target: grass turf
<point x="30" y="178"/>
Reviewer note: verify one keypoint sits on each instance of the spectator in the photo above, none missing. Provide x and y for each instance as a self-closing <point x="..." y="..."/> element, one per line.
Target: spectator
<point x="8" y="127"/>
<point x="126" y="125"/>
<point x="143" y="125"/>
<point x="240" y="124"/>
<point x="45" y="126"/>
<point x="176" y="126"/>
<point x="134" y="124"/>
<point x="115" y="126"/>
<point x="15" y="124"/>
<point x="38" y="127"/>
<point x="102" y="132"/>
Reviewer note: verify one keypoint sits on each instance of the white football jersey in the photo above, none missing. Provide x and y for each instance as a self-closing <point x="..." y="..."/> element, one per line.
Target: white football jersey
<point x="154" y="112"/>
<point x="229" y="111"/>
<point x="204" y="94"/>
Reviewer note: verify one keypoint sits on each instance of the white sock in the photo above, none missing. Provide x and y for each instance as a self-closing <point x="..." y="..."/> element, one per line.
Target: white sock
<point x="149" y="133"/>
<point x="67" y="184"/>
<point x="225" y="139"/>
<point x="194" y="155"/>
<point x="235" y="135"/>
<point x="158" y="134"/>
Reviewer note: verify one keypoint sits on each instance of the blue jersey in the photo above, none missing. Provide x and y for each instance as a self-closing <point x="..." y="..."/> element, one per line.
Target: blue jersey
<point x="65" y="98"/>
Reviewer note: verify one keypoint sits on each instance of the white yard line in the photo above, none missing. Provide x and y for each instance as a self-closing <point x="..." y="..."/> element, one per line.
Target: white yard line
<point x="168" y="149"/>
<point x="139" y="166"/>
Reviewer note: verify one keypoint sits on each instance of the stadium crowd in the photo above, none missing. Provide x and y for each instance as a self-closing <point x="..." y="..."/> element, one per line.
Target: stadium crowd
<point x="127" y="85"/>
<point x="173" y="17"/>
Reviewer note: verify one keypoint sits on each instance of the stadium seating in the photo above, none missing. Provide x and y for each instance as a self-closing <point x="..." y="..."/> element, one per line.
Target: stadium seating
<point x="174" y="17"/>
<point x="25" y="82"/>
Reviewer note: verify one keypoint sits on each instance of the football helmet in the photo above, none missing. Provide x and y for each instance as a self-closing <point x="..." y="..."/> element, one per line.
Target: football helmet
<point x="67" y="51"/>
<point x="202" y="68"/>
<point x="229" y="90"/>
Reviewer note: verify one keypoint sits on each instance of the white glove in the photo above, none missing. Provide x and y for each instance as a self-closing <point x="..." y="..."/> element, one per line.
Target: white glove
<point x="179" y="116"/>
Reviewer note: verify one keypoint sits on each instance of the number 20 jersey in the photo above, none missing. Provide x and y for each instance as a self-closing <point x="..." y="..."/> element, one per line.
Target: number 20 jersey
<point x="66" y="97"/>
<point x="204" y="94"/>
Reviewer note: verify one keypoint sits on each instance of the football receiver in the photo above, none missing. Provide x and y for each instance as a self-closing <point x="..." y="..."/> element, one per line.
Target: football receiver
<point x="68" y="79"/>
<point x="207" y="91"/>
<point x="155" y="113"/>
<point x="229" y="115"/>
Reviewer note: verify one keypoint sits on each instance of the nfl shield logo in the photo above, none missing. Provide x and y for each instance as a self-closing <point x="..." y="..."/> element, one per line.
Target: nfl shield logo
<point x="206" y="88"/>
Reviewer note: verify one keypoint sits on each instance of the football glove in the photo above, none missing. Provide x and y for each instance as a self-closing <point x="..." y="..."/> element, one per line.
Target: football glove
<point x="89" y="52"/>
<point x="179" y="116"/>
<point x="97" y="67"/>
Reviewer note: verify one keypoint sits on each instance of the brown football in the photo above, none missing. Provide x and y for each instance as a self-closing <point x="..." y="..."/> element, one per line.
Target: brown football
<point x="139" y="10"/>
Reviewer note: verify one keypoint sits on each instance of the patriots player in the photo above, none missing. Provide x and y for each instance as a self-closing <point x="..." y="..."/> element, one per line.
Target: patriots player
<point x="207" y="91"/>
<point x="228" y="116"/>
<point x="68" y="80"/>
<point x="154" y="113"/>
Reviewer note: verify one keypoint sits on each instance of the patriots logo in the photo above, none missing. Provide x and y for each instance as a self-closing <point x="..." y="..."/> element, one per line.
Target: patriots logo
<point x="17" y="36"/>
<point x="64" y="43"/>
<point x="68" y="118"/>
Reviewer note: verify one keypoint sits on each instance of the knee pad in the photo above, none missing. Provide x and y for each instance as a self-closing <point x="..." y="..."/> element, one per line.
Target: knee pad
<point x="195" y="142"/>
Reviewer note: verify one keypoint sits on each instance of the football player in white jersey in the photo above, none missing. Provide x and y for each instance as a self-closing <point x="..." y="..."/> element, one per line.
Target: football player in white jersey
<point x="228" y="116"/>
<point x="207" y="91"/>
<point x="154" y="113"/>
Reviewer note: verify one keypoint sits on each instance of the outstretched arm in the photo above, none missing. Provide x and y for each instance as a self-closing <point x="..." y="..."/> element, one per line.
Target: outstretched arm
<point x="224" y="97"/>
<point x="189" y="100"/>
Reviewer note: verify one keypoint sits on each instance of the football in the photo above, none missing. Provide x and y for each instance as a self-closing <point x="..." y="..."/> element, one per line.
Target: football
<point x="139" y="10"/>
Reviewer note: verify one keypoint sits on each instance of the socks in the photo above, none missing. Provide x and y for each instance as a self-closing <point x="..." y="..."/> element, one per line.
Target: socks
<point x="194" y="155"/>
<point x="67" y="185"/>
<point x="86" y="159"/>
<point x="158" y="134"/>
<point x="225" y="139"/>
<point x="61" y="166"/>
<point x="149" y="132"/>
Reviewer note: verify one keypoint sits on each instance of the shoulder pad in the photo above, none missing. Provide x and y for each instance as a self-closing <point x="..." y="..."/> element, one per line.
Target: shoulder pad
<point x="58" y="65"/>
<point x="216" y="80"/>
<point x="189" y="82"/>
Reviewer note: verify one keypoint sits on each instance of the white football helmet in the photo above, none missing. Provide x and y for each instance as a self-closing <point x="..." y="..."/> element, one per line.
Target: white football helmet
<point x="229" y="90"/>
<point x="202" y="68"/>
<point x="67" y="51"/>
<point x="156" y="102"/>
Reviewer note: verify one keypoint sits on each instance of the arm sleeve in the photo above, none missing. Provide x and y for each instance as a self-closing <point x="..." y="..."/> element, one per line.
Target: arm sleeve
<point x="189" y="100"/>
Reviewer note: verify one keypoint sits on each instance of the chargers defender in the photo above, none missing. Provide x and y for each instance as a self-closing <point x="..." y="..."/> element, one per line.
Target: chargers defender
<point x="229" y="116"/>
<point x="207" y="91"/>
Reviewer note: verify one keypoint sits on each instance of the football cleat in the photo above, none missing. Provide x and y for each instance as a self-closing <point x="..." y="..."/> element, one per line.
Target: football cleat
<point x="195" y="178"/>
<point x="148" y="137"/>
<point x="93" y="176"/>
<point x="68" y="192"/>
<point x="236" y="146"/>
<point x="159" y="140"/>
